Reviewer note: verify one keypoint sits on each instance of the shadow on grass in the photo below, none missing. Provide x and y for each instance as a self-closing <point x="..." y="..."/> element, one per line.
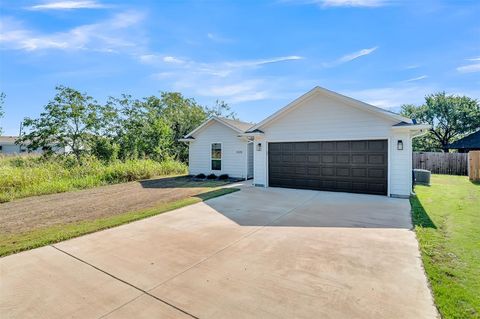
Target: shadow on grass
<point x="476" y="183"/>
<point x="419" y="215"/>
<point x="180" y="182"/>
<point x="216" y="193"/>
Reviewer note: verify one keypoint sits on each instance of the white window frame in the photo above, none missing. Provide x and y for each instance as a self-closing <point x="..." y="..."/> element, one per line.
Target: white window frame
<point x="221" y="157"/>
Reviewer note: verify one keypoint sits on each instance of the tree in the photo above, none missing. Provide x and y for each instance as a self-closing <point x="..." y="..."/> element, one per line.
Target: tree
<point x="69" y="121"/>
<point x="2" y="102"/>
<point x="450" y="117"/>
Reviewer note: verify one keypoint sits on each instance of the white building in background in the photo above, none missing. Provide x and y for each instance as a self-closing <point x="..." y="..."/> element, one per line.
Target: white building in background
<point x="8" y="147"/>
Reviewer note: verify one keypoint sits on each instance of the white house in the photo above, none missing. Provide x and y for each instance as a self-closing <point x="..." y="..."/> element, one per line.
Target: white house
<point x="8" y="147"/>
<point x="322" y="140"/>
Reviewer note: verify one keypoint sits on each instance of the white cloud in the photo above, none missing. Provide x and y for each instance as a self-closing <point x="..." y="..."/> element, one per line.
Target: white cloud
<point x="470" y="68"/>
<point x="474" y="59"/>
<point x="234" y="81"/>
<point x="68" y="5"/>
<point x="219" y="69"/>
<point x="350" y="57"/>
<point x="172" y="59"/>
<point x="392" y="97"/>
<point x="218" y="38"/>
<point x="418" y="78"/>
<point x="412" y="66"/>
<point x="111" y="35"/>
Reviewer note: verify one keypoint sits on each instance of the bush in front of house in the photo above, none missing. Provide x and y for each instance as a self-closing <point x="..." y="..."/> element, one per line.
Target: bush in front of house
<point x="212" y="176"/>
<point x="200" y="176"/>
<point x="223" y="177"/>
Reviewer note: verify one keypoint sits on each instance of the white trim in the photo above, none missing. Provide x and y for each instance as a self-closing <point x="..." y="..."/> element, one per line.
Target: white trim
<point x="246" y="161"/>
<point x="213" y="118"/>
<point x="267" y="181"/>
<point x="348" y="100"/>
<point x="221" y="157"/>
<point x="388" y="168"/>
<point x="330" y="139"/>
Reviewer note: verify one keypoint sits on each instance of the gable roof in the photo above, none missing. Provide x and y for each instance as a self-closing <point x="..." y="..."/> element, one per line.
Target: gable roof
<point x="348" y="100"/>
<point x="235" y="125"/>
<point x="468" y="142"/>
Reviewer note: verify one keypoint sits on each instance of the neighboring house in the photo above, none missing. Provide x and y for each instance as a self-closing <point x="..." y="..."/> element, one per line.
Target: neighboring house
<point x="322" y="140"/>
<point x="8" y="147"/>
<point x="468" y="143"/>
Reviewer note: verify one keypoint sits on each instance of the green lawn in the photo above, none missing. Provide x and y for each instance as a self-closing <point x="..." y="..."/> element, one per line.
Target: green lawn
<point x="10" y="244"/>
<point x="446" y="216"/>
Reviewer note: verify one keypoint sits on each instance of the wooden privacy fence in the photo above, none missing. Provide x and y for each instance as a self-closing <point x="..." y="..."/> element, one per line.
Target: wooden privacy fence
<point x="474" y="166"/>
<point x="442" y="163"/>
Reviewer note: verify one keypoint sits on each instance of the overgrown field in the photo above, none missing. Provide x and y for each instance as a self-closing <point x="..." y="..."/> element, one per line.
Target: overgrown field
<point x="31" y="175"/>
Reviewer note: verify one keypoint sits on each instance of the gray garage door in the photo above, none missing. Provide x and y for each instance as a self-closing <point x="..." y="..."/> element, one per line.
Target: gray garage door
<point x="343" y="166"/>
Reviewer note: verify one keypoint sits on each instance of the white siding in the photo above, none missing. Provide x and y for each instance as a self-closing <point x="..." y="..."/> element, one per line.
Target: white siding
<point x="233" y="151"/>
<point x="324" y="118"/>
<point x="401" y="164"/>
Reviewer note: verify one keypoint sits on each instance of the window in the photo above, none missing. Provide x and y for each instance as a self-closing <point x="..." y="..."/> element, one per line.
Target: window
<point x="216" y="156"/>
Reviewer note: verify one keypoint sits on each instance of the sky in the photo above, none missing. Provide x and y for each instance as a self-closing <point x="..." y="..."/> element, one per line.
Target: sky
<point x="257" y="56"/>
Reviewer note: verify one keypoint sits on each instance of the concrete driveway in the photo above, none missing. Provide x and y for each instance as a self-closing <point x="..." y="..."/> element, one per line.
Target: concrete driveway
<point x="257" y="253"/>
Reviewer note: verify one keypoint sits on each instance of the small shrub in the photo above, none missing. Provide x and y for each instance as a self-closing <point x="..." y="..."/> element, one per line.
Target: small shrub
<point x="223" y="177"/>
<point x="212" y="176"/>
<point x="200" y="176"/>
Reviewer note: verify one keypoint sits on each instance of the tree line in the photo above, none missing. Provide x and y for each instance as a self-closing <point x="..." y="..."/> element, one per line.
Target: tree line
<point x="123" y="128"/>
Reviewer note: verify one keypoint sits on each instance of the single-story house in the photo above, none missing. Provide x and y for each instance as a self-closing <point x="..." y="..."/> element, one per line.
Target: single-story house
<point x="322" y="140"/>
<point x="9" y="147"/>
<point x="469" y="143"/>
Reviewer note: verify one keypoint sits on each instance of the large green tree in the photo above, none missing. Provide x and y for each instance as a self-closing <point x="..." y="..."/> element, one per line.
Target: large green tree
<point x="69" y="121"/>
<point x="151" y="127"/>
<point x="450" y="116"/>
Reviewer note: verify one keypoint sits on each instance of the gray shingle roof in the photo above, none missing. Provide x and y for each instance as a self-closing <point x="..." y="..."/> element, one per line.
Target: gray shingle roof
<point x="471" y="141"/>
<point x="242" y="126"/>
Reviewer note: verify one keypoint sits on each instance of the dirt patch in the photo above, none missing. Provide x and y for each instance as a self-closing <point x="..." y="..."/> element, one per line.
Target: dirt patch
<point x="57" y="209"/>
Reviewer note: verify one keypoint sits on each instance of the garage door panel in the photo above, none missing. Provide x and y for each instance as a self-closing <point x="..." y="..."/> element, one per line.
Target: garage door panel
<point x="343" y="159"/>
<point x="328" y="158"/>
<point x="377" y="146"/>
<point x="349" y="166"/>
<point x="342" y="146"/>
<point x="358" y="146"/>
<point x="327" y="146"/>
<point x="328" y="171"/>
<point x="359" y="158"/>
<point x="342" y="172"/>
<point x="376" y="159"/>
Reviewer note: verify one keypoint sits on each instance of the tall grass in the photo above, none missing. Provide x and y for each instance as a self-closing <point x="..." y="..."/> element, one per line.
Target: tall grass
<point x="29" y="176"/>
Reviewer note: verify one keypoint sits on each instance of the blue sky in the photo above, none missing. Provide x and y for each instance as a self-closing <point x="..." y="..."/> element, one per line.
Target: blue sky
<point x="255" y="55"/>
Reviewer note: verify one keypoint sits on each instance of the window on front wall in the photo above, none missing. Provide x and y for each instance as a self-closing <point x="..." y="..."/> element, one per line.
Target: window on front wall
<point x="216" y="156"/>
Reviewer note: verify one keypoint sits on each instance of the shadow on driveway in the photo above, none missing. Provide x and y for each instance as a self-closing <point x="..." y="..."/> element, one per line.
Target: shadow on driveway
<point x="281" y="207"/>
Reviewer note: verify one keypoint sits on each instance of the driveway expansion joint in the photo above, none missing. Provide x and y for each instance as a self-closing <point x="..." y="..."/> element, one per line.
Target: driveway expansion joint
<point x="127" y="283"/>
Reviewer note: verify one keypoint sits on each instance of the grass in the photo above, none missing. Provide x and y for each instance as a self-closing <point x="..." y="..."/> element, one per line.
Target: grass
<point x="446" y="216"/>
<point x="30" y="176"/>
<point x="41" y="237"/>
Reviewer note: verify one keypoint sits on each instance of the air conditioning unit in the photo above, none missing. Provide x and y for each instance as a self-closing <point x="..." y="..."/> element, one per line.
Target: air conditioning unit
<point x="421" y="176"/>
